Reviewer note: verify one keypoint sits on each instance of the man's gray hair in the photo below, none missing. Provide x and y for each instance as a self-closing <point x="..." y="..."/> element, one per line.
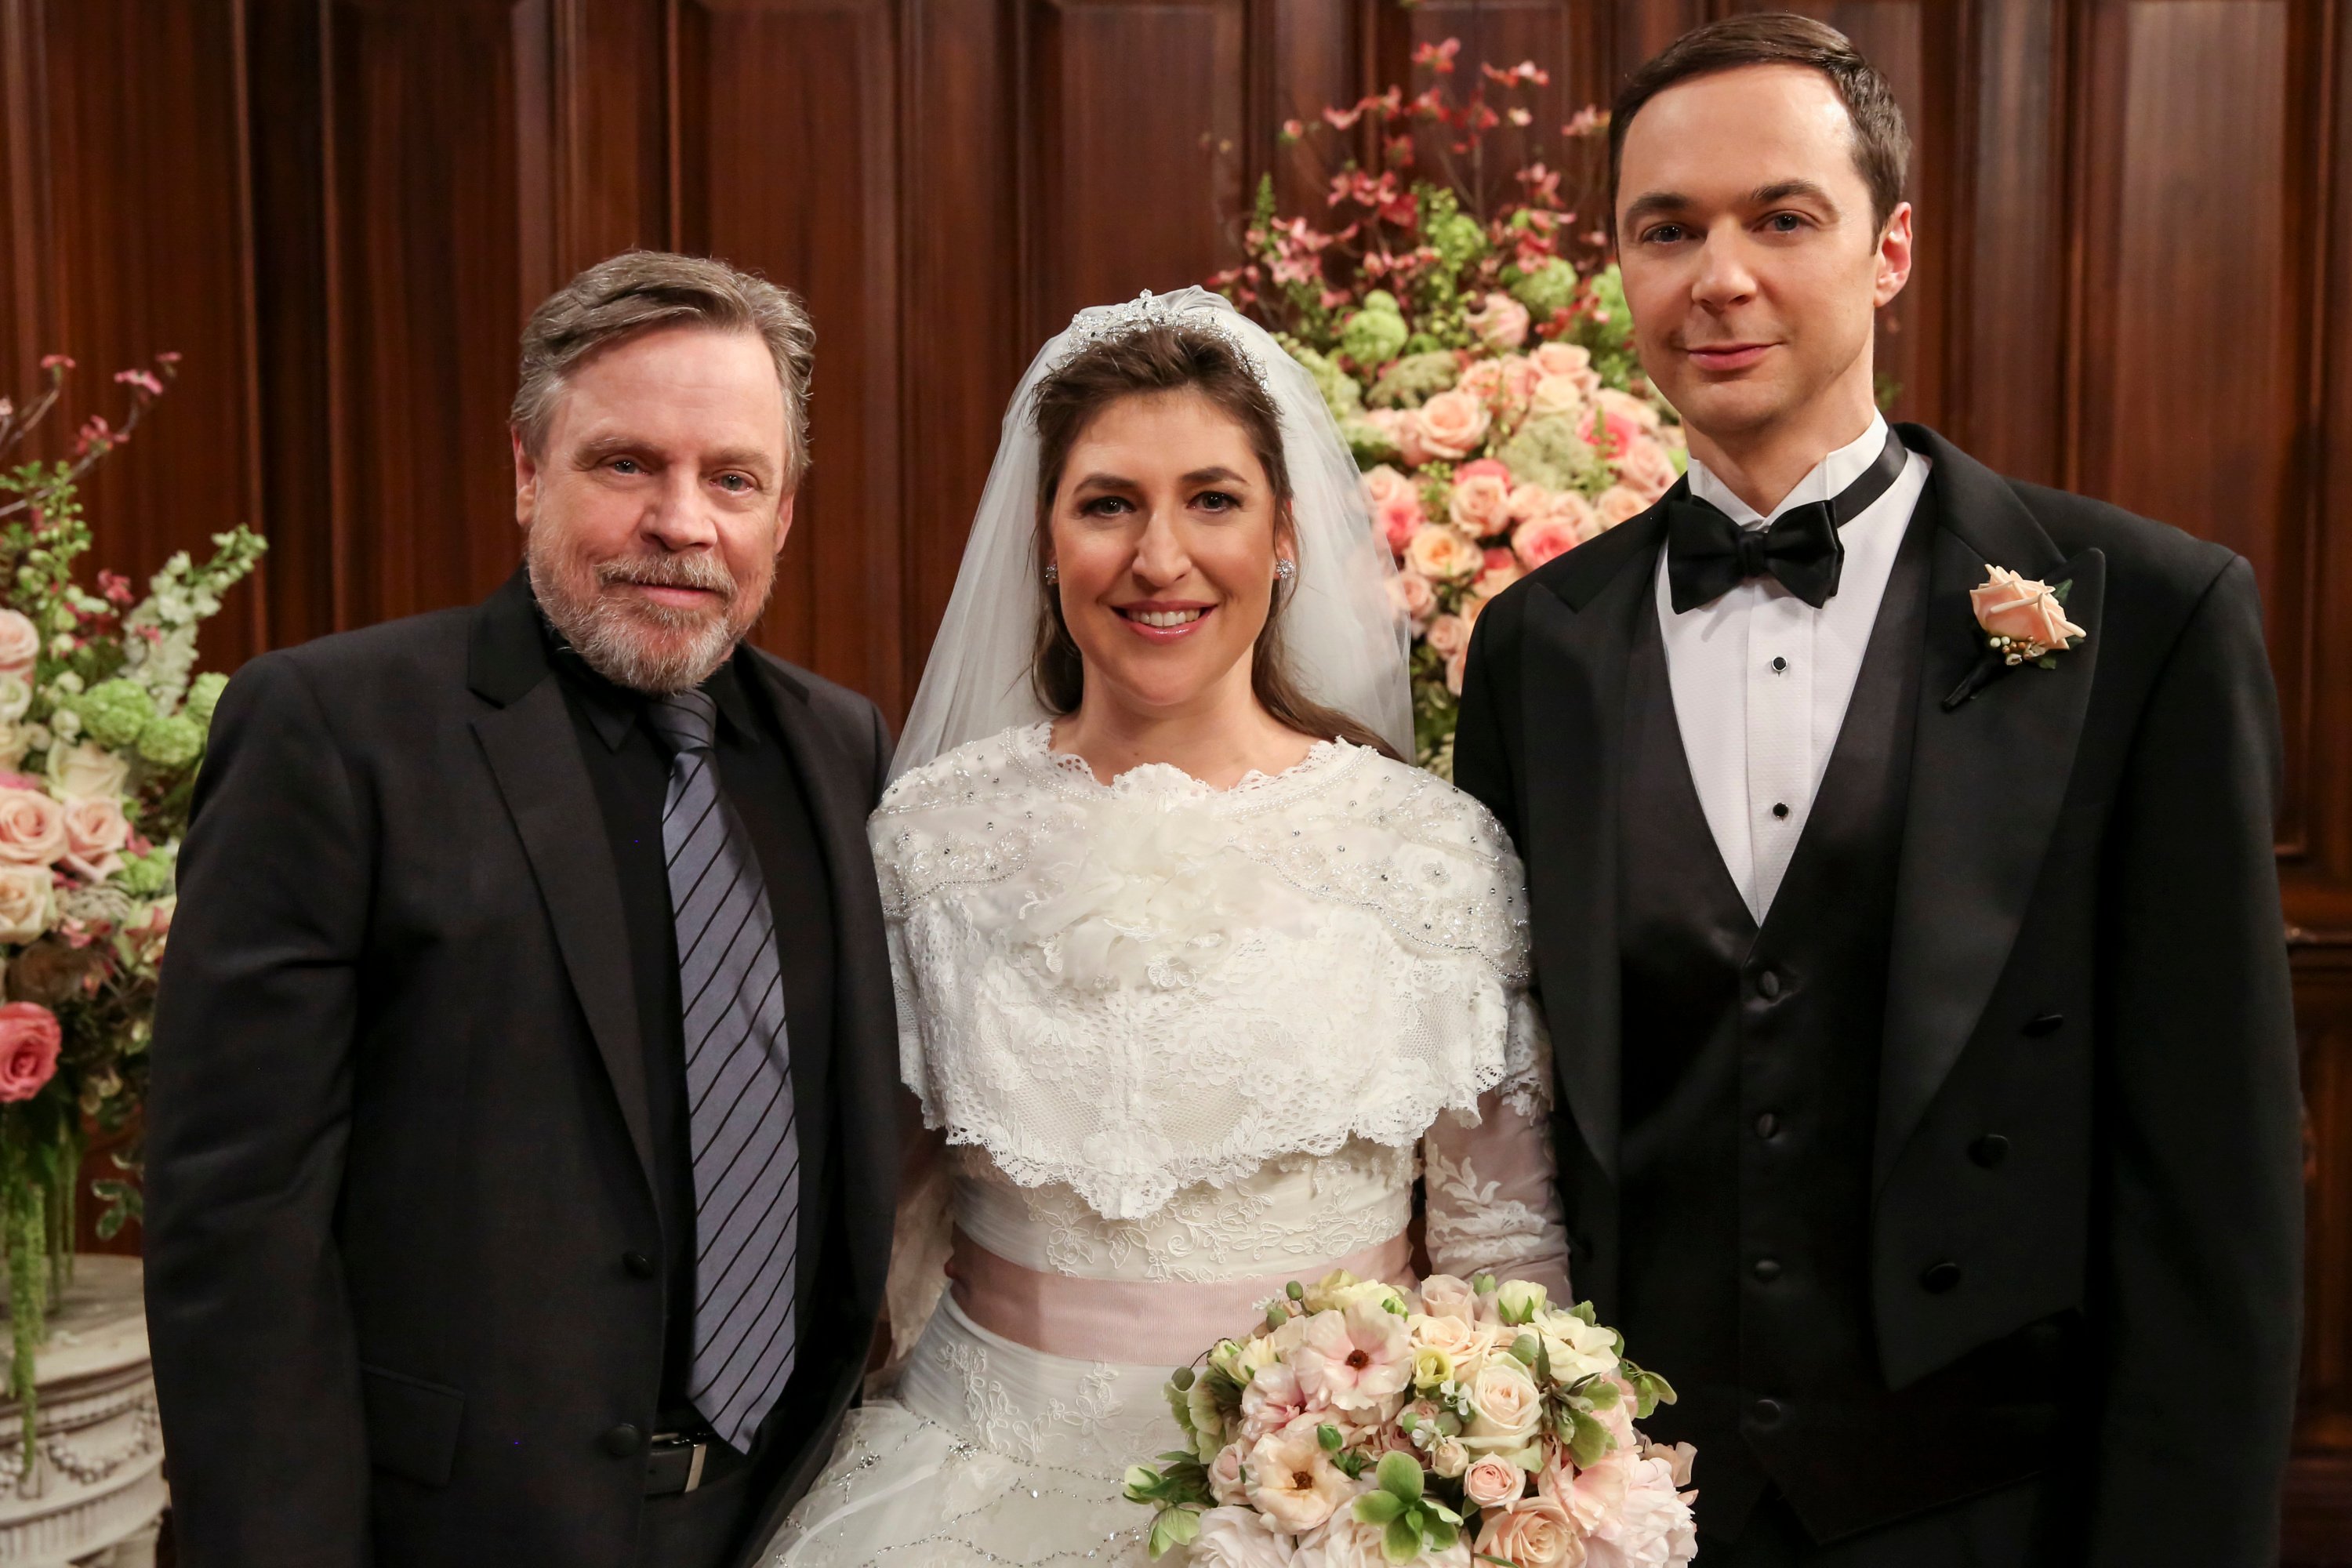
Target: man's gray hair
<point x="640" y="291"/>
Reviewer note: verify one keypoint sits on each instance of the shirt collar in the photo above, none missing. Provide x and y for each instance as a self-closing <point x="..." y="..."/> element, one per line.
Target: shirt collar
<point x="1828" y="476"/>
<point x="613" y="709"/>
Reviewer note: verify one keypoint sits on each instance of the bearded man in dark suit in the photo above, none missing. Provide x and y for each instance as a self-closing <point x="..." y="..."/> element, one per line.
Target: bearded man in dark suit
<point x="520" y="1152"/>
<point x="1903" y="904"/>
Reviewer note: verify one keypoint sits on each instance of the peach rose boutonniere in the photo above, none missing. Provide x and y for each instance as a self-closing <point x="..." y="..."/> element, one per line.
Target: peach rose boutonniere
<point x="2023" y="621"/>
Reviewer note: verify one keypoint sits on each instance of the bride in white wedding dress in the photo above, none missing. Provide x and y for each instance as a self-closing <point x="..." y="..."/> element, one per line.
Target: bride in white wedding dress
<point x="1195" y="978"/>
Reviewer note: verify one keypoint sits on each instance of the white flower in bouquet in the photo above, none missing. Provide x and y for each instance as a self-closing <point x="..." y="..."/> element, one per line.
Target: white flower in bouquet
<point x="1236" y="1537"/>
<point x="88" y="772"/>
<point x="1227" y="1484"/>
<point x="27" y="900"/>
<point x="32" y="827"/>
<point x="1357" y="1359"/>
<point x="1272" y="1400"/>
<point x="1506" y="1406"/>
<point x="1292" y="1479"/>
<point x="1577" y="1349"/>
<point x="1653" y="1527"/>
<point x="1443" y="1295"/>
<point x="16" y="697"/>
<point x="20" y="642"/>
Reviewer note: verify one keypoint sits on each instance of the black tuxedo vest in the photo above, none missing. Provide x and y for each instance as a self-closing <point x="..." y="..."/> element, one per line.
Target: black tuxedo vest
<point x="1750" y="1093"/>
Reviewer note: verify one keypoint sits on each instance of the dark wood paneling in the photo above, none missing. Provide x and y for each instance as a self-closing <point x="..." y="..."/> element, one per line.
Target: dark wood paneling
<point x="1130" y="189"/>
<point x="429" y="107"/>
<point x="2320" y="1516"/>
<point x="1568" y="42"/>
<point x="787" y="128"/>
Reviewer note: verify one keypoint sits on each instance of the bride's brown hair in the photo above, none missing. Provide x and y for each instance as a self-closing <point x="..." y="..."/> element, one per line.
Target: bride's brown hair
<point x="1138" y="363"/>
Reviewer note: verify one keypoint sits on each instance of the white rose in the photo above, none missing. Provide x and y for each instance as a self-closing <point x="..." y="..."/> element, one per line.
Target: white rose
<point x="1238" y="1538"/>
<point x="20" y="642"/>
<point x="16" y="697"/>
<point x="26" y="902"/>
<point x="87" y="772"/>
<point x="1505" y="1404"/>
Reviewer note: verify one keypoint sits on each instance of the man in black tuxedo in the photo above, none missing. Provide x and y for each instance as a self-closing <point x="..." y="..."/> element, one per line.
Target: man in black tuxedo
<point x="1922" y="1015"/>
<point x="520" y="1152"/>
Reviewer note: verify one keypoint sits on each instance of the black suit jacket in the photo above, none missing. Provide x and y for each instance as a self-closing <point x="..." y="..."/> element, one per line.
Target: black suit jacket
<point x="398" y="1147"/>
<point x="2088" y="959"/>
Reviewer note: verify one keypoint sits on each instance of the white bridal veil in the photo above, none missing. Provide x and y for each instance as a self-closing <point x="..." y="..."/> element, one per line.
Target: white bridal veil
<point x="1345" y="640"/>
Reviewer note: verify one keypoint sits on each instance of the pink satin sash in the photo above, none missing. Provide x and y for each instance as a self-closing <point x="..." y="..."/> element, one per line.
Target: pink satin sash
<point x="1135" y="1322"/>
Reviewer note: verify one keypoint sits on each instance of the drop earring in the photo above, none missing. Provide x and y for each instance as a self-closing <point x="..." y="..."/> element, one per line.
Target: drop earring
<point x="1285" y="570"/>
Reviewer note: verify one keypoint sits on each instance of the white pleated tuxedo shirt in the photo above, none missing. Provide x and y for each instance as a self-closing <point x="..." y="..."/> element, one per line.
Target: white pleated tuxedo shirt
<point x="1762" y="679"/>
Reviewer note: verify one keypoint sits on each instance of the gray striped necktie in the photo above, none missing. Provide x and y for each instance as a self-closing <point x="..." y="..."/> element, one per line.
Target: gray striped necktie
<point x="738" y="1084"/>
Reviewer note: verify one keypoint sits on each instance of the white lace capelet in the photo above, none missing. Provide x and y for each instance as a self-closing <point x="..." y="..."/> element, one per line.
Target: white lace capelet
<point x="1131" y="988"/>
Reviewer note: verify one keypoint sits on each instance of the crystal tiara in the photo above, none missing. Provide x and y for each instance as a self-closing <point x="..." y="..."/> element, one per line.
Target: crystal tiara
<point x="1108" y="323"/>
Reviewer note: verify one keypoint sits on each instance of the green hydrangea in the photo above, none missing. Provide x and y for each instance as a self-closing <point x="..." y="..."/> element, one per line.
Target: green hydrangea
<point x="1373" y="336"/>
<point x="171" y="743"/>
<point x="1415" y="379"/>
<point x="115" y="713"/>
<point x="1340" y="394"/>
<point x="1609" y="330"/>
<point x="1548" y="451"/>
<point x="1549" y="287"/>
<point x="204" y="696"/>
<point x="1458" y="238"/>
<point x="147" y="875"/>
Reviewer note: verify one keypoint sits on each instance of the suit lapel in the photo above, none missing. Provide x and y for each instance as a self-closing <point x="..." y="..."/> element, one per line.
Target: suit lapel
<point x="1988" y="778"/>
<point x="836" y="789"/>
<point x="534" y="753"/>
<point x="1575" y="653"/>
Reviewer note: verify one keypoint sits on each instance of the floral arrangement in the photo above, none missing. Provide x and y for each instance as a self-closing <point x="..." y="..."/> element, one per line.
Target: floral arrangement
<point x="1471" y="341"/>
<point x="1366" y="1425"/>
<point x="103" y="721"/>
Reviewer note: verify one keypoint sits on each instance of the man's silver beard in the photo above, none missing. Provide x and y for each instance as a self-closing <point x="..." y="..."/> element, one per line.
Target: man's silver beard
<point x="642" y="646"/>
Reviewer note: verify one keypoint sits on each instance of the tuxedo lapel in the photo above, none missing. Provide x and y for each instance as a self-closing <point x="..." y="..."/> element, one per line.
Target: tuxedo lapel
<point x="1988" y="778"/>
<point x="533" y="752"/>
<point x="1576" y="650"/>
<point x="865" y="1010"/>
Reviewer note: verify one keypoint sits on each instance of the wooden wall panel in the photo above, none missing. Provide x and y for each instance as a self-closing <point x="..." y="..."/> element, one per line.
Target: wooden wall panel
<point x="2319" y="1518"/>
<point x="430" y="106"/>
<point x="787" y="164"/>
<point x="1130" y="186"/>
<point x="1569" y="41"/>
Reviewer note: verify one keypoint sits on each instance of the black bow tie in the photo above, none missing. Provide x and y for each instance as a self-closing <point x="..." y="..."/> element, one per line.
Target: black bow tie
<point x="1707" y="554"/>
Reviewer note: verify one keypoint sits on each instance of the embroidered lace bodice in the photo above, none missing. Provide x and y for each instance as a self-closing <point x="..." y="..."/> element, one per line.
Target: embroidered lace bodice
<point x="1174" y="1033"/>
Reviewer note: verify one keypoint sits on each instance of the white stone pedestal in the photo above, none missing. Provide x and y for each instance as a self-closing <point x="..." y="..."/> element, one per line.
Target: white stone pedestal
<point x="96" y="1496"/>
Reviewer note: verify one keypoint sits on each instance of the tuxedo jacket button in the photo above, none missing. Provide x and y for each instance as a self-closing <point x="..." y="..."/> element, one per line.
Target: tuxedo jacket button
<point x="1767" y="1125"/>
<point x="623" y="1441"/>
<point x="1767" y="1269"/>
<point x="1768" y="985"/>
<point x="1941" y="1277"/>
<point x="1989" y="1150"/>
<point x="1765" y="1411"/>
<point x="2046" y="1024"/>
<point x="639" y="1265"/>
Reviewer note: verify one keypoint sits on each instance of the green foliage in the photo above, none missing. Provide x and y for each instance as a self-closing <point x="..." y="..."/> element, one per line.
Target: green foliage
<point x="204" y="696"/>
<point x="1605" y="327"/>
<point x="1373" y="336"/>
<point x="1415" y="379"/>
<point x="1547" y="450"/>
<point x="171" y="742"/>
<point x="1548" y="288"/>
<point x="113" y="712"/>
<point x="1413" y="1521"/>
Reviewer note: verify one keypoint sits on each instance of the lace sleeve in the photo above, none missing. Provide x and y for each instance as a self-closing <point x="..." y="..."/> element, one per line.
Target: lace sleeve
<point x="1493" y="1206"/>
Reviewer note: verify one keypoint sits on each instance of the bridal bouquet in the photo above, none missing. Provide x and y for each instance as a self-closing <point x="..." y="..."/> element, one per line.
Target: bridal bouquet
<point x="102" y="726"/>
<point x="1471" y="341"/>
<point x="1458" y="1422"/>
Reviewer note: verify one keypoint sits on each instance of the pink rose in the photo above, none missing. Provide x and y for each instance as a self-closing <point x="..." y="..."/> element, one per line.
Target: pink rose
<point x="1557" y="395"/>
<point x="1573" y="361"/>
<point x="1624" y="405"/>
<point x="1534" y="1533"/>
<point x="96" y="827"/>
<point x="1542" y="539"/>
<point x="1399" y="517"/>
<point x="1643" y="467"/>
<point x="1414" y="597"/>
<point x="32" y="827"/>
<point x="1494" y="579"/>
<point x="28" y="1050"/>
<point x="1481" y="503"/>
<point x="1225" y="1483"/>
<point x="1501" y="322"/>
<point x="1384" y="483"/>
<point x="27" y="900"/>
<point x="1402" y="429"/>
<point x="1292" y="1480"/>
<point x="1442" y="555"/>
<point x="20" y="643"/>
<point x="1487" y="377"/>
<point x="1592" y="1495"/>
<point x="1451" y="424"/>
<point x="1448" y="634"/>
<point x="1443" y="1295"/>
<point x="1492" y="1482"/>
<point x="2021" y="609"/>
<point x="1478" y="466"/>
<point x="1618" y="504"/>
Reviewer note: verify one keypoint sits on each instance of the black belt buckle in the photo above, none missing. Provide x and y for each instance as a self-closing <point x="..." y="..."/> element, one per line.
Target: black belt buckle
<point x="674" y="1461"/>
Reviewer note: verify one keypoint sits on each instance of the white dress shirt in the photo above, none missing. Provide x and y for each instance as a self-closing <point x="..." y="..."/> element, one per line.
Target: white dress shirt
<point x="1761" y="679"/>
